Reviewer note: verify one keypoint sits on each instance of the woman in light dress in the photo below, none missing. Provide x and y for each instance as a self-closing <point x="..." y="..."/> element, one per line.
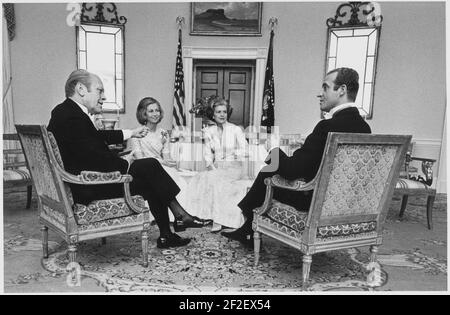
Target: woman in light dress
<point x="156" y="145"/>
<point x="224" y="183"/>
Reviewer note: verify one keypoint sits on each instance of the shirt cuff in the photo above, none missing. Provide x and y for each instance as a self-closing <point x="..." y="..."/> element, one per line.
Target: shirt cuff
<point x="126" y="134"/>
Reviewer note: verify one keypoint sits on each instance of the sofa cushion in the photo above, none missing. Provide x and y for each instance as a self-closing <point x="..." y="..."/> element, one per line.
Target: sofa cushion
<point x="287" y="215"/>
<point x="100" y="210"/>
<point x="295" y="222"/>
<point x="346" y="229"/>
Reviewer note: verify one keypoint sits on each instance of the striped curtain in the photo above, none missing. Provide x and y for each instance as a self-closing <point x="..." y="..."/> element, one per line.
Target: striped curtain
<point x="8" y="112"/>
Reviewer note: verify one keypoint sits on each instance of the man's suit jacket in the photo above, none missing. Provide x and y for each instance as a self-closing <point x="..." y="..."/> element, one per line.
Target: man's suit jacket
<point x="84" y="148"/>
<point x="305" y="162"/>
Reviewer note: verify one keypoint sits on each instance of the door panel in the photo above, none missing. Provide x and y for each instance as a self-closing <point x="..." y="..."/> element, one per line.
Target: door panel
<point x="230" y="82"/>
<point x="237" y="91"/>
<point x="209" y="81"/>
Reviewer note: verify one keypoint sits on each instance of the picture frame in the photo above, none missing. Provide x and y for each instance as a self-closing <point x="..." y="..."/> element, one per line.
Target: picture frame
<point x="226" y="18"/>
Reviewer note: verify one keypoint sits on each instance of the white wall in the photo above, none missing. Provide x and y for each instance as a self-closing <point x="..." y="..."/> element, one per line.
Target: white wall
<point x="410" y="89"/>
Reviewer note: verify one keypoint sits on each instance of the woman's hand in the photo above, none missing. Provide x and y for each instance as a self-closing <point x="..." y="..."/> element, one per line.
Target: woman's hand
<point x="164" y="136"/>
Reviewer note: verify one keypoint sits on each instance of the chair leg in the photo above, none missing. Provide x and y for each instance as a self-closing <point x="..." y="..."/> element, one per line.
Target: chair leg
<point x="72" y="252"/>
<point x="145" y="248"/>
<point x="307" y="260"/>
<point x="29" y="191"/>
<point x="430" y="202"/>
<point x="403" y="206"/>
<point x="373" y="253"/>
<point x="103" y="240"/>
<point x="257" y="246"/>
<point x="44" y="231"/>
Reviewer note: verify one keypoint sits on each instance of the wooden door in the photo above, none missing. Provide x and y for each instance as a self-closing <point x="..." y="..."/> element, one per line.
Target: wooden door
<point x="230" y="82"/>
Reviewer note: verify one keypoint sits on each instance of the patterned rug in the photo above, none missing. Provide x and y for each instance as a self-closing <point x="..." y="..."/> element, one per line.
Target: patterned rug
<point x="212" y="263"/>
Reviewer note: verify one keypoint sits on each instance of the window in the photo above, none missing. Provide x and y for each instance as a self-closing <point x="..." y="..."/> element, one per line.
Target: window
<point x="100" y="50"/>
<point x="355" y="45"/>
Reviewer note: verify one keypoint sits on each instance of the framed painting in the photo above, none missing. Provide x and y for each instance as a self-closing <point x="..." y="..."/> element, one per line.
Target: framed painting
<point x="226" y="18"/>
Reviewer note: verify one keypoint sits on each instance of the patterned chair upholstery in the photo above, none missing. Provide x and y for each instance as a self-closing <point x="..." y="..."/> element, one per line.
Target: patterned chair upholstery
<point x="411" y="183"/>
<point x="352" y="191"/>
<point x="77" y="222"/>
<point x="15" y="171"/>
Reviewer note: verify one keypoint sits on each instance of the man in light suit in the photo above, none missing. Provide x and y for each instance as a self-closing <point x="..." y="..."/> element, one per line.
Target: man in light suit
<point x="83" y="147"/>
<point x="339" y="90"/>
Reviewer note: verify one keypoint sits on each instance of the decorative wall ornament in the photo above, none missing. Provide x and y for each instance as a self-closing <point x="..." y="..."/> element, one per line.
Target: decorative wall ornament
<point x="272" y="22"/>
<point x="369" y="12"/>
<point x="100" y="17"/>
<point x="180" y="21"/>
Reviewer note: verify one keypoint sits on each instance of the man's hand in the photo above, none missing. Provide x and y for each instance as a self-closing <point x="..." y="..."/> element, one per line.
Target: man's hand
<point x="139" y="132"/>
<point x="169" y="163"/>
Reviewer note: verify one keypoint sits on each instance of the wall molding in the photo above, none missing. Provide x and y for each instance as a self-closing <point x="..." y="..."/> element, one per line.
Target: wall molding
<point x="225" y="53"/>
<point x="431" y="142"/>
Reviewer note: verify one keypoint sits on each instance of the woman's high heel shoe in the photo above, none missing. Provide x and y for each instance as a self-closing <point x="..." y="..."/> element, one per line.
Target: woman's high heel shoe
<point x="179" y="225"/>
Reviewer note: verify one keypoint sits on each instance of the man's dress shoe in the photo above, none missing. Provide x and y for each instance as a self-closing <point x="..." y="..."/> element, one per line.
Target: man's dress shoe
<point x="179" y="225"/>
<point x="172" y="240"/>
<point x="239" y="235"/>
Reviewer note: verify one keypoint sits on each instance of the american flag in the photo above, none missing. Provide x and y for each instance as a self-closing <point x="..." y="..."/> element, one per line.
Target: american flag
<point x="268" y="114"/>
<point x="179" y="116"/>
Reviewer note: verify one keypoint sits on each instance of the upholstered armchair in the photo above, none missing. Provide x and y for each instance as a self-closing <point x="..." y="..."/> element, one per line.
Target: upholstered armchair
<point x="412" y="183"/>
<point x="57" y="210"/>
<point x="352" y="192"/>
<point x="15" y="171"/>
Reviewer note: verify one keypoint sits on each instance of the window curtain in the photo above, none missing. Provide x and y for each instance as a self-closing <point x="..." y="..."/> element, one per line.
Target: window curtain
<point x="8" y="112"/>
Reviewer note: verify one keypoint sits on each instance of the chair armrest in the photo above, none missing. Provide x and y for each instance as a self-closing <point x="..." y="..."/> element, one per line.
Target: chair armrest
<point x="12" y="151"/>
<point x="134" y="207"/>
<point x="295" y="185"/>
<point x="422" y="159"/>
<point x="427" y="169"/>
<point x="95" y="178"/>
<point x="280" y="182"/>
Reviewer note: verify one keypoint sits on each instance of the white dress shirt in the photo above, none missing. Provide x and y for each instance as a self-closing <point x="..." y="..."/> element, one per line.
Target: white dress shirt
<point x="338" y="108"/>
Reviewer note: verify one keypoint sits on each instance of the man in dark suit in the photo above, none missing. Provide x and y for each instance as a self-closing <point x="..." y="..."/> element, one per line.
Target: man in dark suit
<point x="83" y="147"/>
<point x="339" y="90"/>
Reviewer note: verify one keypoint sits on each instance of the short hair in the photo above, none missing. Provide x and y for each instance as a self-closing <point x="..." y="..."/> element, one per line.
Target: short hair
<point x="82" y="76"/>
<point x="219" y="101"/>
<point x="349" y="78"/>
<point x="141" y="112"/>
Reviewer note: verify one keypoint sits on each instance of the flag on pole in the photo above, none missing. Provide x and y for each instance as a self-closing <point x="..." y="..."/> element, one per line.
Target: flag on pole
<point x="268" y="114"/>
<point x="179" y="116"/>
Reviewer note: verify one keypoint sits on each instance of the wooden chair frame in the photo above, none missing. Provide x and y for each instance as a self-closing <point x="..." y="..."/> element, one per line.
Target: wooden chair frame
<point x="56" y="208"/>
<point x="425" y="191"/>
<point x="15" y="165"/>
<point x="308" y="243"/>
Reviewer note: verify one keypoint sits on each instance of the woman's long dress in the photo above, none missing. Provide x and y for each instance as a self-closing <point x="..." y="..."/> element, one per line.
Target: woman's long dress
<point x="218" y="191"/>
